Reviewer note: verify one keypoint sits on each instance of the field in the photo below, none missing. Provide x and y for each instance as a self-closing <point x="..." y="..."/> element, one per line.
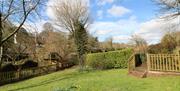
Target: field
<point x="106" y="80"/>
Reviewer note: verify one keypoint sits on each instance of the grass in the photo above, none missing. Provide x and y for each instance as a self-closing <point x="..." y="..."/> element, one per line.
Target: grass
<point x="108" y="80"/>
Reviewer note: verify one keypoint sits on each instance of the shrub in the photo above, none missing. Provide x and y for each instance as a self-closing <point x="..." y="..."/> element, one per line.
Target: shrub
<point x="108" y="60"/>
<point x="8" y="67"/>
<point x="29" y="64"/>
<point x="73" y="59"/>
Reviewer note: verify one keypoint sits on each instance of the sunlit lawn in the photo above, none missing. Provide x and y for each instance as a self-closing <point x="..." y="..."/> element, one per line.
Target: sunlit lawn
<point x="108" y="80"/>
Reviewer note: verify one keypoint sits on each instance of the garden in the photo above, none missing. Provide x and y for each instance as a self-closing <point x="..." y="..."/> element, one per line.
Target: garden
<point x="99" y="80"/>
<point x="89" y="45"/>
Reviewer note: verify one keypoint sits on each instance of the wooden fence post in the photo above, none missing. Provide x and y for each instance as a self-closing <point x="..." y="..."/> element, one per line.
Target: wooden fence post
<point x="148" y="62"/>
<point x="179" y="61"/>
<point x="129" y="66"/>
<point x="131" y="63"/>
<point x="18" y="74"/>
<point x="134" y="62"/>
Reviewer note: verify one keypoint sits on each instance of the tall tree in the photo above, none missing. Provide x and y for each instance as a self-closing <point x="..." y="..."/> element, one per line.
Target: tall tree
<point x="73" y="15"/>
<point x="16" y="12"/>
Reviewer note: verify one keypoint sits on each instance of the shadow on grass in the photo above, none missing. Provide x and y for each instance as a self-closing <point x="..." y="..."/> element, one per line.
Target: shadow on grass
<point x="45" y="82"/>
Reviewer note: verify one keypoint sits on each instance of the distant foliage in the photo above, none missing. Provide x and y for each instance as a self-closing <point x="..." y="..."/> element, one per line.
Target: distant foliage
<point x="108" y="60"/>
<point x="168" y="43"/>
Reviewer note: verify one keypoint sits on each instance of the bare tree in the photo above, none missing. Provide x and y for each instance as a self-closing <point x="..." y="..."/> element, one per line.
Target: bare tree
<point x="58" y="42"/>
<point x="171" y="8"/>
<point x="73" y="15"/>
<point x="140" y="43"/>
<point x="55" y="41"/>
<point x="68" y="12"/>
<point x="109" y="42"/>
<point x="16" y="12"/>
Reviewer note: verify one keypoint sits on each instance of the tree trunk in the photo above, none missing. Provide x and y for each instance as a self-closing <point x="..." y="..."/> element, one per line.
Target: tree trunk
<point x="80" y="36"/>
<point x="1" y="54"/>
<point x="1" y="47"/>
<point x="81" y="62"/>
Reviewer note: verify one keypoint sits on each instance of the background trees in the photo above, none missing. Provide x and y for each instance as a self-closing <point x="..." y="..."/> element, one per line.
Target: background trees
<point x="168" y="43"/>
<point x="73" y="15"/>
<point x="56" y="41"/>
<point x="15" y="12"/>
<point x="109" y="43"/>
<point x="140" y="44"/>
<point x="169" y="11"/>
<point x="93" y="43"/>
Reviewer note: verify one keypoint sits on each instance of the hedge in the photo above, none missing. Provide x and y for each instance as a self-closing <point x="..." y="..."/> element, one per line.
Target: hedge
<point x="108" y="60"/>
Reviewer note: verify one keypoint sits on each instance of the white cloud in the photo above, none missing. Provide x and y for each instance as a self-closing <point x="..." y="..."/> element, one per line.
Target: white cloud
<point x="103" y="2"/>
<point x="103" y="32"/>
<point x="100" y="14"/>
<point x="118" y="11"/>
<point x="152" y="31"/>
<point x="49" y="10"/>
<point x="38" y="26"/>
<point x="121" y="38"/>
<point x="34" y="26"/>
<point x="104" y="29"/>
<point x="121" y="30"/>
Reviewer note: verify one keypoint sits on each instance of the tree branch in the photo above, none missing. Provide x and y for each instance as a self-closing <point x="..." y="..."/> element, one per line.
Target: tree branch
<point x="9" y="13"/>
<point x="24" y="19"/>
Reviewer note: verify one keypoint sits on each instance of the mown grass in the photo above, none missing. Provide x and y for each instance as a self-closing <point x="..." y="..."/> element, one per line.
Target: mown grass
<point x="107" y="80"/>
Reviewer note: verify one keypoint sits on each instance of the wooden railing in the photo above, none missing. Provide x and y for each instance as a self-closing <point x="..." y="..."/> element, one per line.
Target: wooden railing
<point x="163" y="62"/>
<point x="6" y="77"/>
<point x="131" y="63"/>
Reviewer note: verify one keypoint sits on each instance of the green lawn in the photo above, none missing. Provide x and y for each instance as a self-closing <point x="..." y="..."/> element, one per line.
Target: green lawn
<point x="108" y="80"/>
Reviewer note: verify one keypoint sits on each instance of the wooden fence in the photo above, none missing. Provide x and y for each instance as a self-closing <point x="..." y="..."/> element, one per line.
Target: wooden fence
<point x="6" y="77"/>
<point x="131" y="63"/>
<point x="163" y="62"/>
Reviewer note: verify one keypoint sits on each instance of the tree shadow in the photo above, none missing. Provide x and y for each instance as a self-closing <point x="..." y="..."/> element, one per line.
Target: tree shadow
<point x="45" y="82"/>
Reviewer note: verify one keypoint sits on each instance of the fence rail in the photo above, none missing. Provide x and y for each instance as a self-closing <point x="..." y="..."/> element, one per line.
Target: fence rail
<point x="6" y="77"/>
<point x="163" y="62"/>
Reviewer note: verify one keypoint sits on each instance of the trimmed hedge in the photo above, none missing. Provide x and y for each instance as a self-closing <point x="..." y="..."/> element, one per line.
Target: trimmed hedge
<point x="108" y="60"/>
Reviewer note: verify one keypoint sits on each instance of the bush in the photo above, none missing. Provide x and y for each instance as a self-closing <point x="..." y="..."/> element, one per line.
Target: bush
<point x="29" y="64"/>
<point x="108" y="60"/>
<point x="73" y="59"/>
<point x="8" y="67"/>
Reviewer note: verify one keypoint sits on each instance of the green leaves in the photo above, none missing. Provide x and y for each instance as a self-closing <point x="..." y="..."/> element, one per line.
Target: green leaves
<point x="81" y="40"/>
<point x="108" y="60"/>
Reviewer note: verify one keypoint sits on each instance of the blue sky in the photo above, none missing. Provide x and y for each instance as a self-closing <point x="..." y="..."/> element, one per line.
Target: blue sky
<point x="120" y="19"/>
<point x="142" y="9"/>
